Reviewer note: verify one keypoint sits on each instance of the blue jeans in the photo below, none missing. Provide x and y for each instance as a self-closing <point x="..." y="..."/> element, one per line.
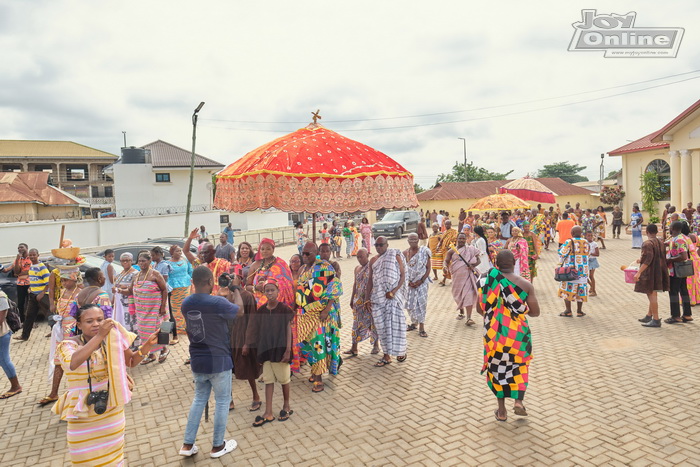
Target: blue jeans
<point x="5" y="362"/>
<point x="203" y="384"/>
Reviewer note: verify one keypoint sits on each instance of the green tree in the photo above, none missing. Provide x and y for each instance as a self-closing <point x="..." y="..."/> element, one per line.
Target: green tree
<point x="614" y="174"/>
<point x="564" y="170"/>
<point x="652" y="191"/>
<point x="474" y="174"/>
<point x="417" y="188"/>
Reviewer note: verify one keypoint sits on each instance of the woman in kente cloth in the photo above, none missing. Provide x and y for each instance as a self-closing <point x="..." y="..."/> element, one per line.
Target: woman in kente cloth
<point x="318" y="317"/>
<point x="505" y="299"/>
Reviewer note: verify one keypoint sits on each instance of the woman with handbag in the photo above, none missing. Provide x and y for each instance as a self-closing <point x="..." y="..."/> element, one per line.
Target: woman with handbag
<point x="679" y="268"/>
<point x="652" y="275"/>
<point x="574" y="258"/>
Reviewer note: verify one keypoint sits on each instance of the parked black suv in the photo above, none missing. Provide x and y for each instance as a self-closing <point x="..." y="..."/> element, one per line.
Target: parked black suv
<point x="396" y="223"/>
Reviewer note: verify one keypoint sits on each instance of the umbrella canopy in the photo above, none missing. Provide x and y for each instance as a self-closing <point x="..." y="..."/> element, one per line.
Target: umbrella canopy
<point x="499" y="202"/>
<point x="314" y="169"/>
<point x="529" y="189"/>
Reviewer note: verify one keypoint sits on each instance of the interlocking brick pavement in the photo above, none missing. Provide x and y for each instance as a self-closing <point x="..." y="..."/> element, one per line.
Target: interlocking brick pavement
<point x="603" y="391"/>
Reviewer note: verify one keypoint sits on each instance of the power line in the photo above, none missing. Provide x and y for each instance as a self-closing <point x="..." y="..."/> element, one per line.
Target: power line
<point x="463" y="111"/>
<point x="476" y="118"/>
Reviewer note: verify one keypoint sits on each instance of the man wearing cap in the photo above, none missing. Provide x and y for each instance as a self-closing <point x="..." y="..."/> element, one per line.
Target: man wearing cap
<point x="387" y="288"/>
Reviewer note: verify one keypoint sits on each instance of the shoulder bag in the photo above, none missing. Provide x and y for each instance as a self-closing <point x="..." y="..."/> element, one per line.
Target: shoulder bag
<point x="566" y="273"/>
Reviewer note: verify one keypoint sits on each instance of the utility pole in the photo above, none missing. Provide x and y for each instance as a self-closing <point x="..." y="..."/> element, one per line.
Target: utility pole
<point x="189" y="192"/>
<point x="124" y="133"/>
<point x="602" y="173"/>
<point x="466" y="175"/>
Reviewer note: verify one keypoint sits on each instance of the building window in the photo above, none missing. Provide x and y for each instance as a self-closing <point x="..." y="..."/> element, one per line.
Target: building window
<point x="109" y="193"/>
<point x="163" y="178"/>
<point x="662" y="168"/>
<point x="95" y="192"/>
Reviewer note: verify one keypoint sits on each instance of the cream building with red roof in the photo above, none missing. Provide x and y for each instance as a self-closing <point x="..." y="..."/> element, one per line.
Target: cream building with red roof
<point x="674" y="153"/>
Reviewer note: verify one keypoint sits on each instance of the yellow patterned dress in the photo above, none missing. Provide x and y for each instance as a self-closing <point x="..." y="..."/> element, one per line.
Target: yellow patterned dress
<point x="95" y="440"/>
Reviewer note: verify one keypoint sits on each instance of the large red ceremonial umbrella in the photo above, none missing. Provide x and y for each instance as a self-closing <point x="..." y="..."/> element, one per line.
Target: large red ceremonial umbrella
<point x="529" y="189"/>
<point x="314" y="170"/>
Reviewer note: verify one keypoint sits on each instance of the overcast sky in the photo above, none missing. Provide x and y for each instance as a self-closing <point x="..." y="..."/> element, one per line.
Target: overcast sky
<point x="86" y="71"/>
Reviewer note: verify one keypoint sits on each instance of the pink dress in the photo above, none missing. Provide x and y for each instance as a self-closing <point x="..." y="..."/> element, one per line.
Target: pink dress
<point x="693" y="282"/>
<point x="518" y="246"/>
<point x="366" y="232"/>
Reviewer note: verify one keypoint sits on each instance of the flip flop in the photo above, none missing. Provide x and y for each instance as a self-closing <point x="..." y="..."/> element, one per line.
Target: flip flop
<point x="495" y="412"/>
<point x="520" y="411"/>
<point x="149" y="359"/>
<point x="374" y="351"/>
<point x="284" y="415"/>
<point x="411" y="327"/>
<point x="423" y="334"/>
<point x="402" y="358"/>
<point x="580" y="314"/>
<point x="260" y="421"/>
<point x="255" y="406"/>
<point x="9" y="394"/>
<point x="382" y="363"/>
<point x="566" y="314"/>
<point x="350" y="353"/>
<point x="163" y="356"/>
<point x="318" y="384"/>
<point x="46" y="401"/>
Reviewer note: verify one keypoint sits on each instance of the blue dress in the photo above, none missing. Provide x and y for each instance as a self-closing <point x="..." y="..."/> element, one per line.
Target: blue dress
<point x="636" y="226"/>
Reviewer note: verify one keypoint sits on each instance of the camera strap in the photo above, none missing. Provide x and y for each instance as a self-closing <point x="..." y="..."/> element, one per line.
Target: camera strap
<point x="82" y="338"/>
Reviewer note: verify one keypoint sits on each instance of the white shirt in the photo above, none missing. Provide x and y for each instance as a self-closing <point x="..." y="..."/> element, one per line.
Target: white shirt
<point x="440" y="217"/>
<point x="484" y="262"/>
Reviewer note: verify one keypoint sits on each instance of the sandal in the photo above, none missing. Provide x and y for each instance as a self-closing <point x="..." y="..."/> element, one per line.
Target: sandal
<point x="260" y="421"/>
<point x="350" y="353"/>
<point x="566" y="314"/>
<point x="402" y="358"/>
<point x="163" y="356"/>
<point x="312" y="379"/>
<point x="174" y="341"/>
<point x="374" y="351"/>
<point x="382" y="363"/>
<point x="580" y="314"/>
<point x="423" y="334"/>
<point x="187" y="362"/>
<point x="231" y="406"/>
<point x="46" y="401"/>
<point x="495" y="412"/>
<point x="149" y="359"/>
<point x="673" y="321"/>
<point x="460" y="316"/>
<point x="9" y="394"/>
<point x="255" y="406"/>
<point x="411" y="327"/>
<point x="520" y="410"/>
<point x="470" y="322"/>
<point x="284" y="415"/>
<point x="687" y="319"/>
<point x="317" y="385"/>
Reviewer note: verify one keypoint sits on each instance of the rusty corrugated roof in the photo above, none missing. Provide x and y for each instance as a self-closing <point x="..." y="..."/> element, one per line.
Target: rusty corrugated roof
<point x="50" y="150"/>
<point x="475" y="190"/>
<point x="168" y="155"/>
<point x="32" y="187"/>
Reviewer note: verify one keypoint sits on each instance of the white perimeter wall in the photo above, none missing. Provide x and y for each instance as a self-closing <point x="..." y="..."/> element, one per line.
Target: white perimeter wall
<point x="255" y="220"/>
<point x="97" y="232"/>
<point x="135" y="187"/>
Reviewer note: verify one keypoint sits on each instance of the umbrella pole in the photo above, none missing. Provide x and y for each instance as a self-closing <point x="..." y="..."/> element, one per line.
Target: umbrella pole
<point x="313" y="227"/>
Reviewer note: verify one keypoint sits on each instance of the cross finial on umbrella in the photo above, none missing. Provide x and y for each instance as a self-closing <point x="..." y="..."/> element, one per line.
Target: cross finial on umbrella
<point x="316" y="116"/>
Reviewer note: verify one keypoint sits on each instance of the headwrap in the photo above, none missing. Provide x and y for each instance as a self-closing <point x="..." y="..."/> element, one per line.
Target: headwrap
<point x="273" y="281"/>
<point x="516" y="232"/>
<point x="71" y="273"/>
<point x="269" y="241"/>
<point x="526" y="223"/>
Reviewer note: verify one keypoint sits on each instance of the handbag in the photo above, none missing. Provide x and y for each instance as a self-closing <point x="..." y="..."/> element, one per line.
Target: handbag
<point x="12" y="316"/>
<point x="683" y="269"/>
<point x="565" y="273"/>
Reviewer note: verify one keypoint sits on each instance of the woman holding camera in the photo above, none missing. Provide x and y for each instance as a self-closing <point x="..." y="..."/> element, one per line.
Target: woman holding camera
<point x="95" y="363"/>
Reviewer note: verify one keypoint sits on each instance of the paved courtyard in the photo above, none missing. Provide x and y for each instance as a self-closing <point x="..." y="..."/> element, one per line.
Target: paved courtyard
<point x="603" y="391"/>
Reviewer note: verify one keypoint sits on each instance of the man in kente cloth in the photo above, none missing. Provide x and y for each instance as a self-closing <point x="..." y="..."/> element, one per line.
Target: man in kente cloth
<point x="388" y="291"/>
<point x="418" y="278"/>
<point x="362" y="323"/>
<point x="317" y="294"/>
<point x="449" y="239"/>
<point x="505" y="300"/>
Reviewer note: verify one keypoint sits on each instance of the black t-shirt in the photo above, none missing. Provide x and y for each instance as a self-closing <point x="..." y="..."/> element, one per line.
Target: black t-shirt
<point x="272" y="328"/>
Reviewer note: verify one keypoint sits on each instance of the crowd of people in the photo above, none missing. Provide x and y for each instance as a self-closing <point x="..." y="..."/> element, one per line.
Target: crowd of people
<point x="249" y="314"/>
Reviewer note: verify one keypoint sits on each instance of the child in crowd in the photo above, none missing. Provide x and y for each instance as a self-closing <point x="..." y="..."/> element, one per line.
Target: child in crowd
<point x="592" y="261"/>
<point x="271" y="330"/>
<point x="324" y="233"/>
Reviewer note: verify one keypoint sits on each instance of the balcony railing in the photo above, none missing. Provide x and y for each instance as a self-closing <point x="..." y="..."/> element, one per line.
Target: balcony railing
<point x="55" y="179"/>
<point x="100" y="201"/>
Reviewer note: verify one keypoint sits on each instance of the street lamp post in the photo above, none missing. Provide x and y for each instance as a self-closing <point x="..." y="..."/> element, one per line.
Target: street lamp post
<point x="602" y="174"/>
<point x="466" y="175"/>
<point x="189" y="192"/>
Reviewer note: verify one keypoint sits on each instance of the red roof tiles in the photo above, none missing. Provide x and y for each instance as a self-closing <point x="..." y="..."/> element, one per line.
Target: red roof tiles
<point x="470" y="190"/>
<point x="31" y="187"/>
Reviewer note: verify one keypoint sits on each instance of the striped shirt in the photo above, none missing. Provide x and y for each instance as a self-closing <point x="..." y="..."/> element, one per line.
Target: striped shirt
<point x="38" y="278"/>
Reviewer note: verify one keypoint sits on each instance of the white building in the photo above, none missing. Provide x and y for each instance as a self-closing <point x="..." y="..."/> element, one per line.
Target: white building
<point x="154" y="179"/>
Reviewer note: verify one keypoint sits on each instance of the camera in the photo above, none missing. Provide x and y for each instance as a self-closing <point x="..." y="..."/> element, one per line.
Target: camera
<point x="99" y="399"/>
<point x="225" y="280"/>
